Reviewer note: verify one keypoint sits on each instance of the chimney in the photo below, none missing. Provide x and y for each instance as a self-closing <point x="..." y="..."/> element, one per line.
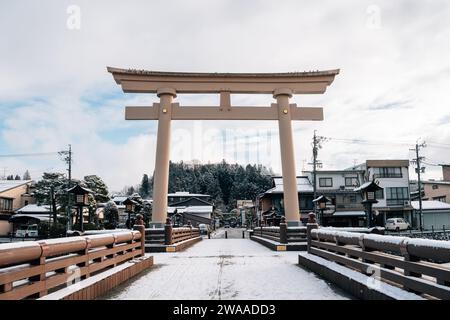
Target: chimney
<point x="446" y="172"/>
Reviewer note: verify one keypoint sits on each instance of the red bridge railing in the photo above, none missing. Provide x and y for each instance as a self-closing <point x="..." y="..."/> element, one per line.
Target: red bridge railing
<point x="32" y="269"/>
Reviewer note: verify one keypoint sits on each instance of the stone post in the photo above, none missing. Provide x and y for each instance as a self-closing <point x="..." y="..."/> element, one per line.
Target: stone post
<point x="168" y="232"/>
<point x="139" y="226"/>
<point x="283" y="231"/>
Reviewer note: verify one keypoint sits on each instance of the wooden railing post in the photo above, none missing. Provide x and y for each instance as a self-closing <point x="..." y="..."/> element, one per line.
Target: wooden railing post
<point x="312" y="224"/>
<point x="190" y="227"/>
<point x="168" y="232"/>
<point x="141" y="229"/>
<point x="283" y="231"/>
<point x="41" y="277"/>
<point x="309" y="228"/>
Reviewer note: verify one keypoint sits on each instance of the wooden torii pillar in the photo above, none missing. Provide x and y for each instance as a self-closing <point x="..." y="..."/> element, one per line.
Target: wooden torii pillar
<point x="167" y="84"/>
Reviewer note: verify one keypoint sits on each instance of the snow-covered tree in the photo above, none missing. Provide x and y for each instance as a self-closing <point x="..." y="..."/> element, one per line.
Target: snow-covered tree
<point x="111" y="215"/>
<point x="26" y="175"/>
<point x="59" y="183"/>
<point x="96" y="184"/>
<point x="144" y="189"/>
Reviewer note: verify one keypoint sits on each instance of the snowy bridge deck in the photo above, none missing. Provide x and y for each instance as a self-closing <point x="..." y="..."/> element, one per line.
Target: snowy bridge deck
<point x="227" y="269"/>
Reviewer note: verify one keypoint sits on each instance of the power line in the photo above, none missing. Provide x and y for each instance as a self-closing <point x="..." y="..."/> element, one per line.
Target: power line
<point x="28" y="154"/>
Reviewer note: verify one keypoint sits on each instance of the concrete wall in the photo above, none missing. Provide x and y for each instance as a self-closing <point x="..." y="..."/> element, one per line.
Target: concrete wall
<point x="446" y="172"/>
<point x="5" y="227"/>
<point x="402" y="182"/>
<point x="441" y="190"/>
<point x="338" y="180"/>
<point x="16" y="193"/>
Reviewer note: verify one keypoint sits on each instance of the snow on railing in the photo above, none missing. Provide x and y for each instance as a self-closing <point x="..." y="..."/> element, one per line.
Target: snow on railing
<point x="382" y="255"/>
<point x="31" y="269"/>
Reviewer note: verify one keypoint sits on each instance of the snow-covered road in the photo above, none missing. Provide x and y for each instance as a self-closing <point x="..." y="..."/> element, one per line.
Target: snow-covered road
<point x="227" y="269"/>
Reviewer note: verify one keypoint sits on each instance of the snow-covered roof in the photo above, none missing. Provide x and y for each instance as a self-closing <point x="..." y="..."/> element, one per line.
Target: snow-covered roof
<point x="119" y="199"/>
<point x="10" y="184"/>
<point x="40" y="217"/>
<point x="33" y="208"/>
<point x="199" y="209"/>
<point x="185" y="193"/>
<point x="436" y="182"/>
<point x="303" y="185"/>
<point x="191" y="209"/>
<point x="348" y="213"/>
<point x="431" y="205"/>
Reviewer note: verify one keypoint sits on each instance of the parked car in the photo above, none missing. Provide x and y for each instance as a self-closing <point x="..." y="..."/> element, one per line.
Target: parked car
<point x="397" y="224"/>
<point x="25" y="231"/>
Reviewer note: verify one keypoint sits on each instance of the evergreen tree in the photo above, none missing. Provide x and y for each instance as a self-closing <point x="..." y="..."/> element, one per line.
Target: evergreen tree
<point x="96" y="184"/>
<point x="26" y="175"/>
<point x="111" y="215"/>
<point x="10" y="177"/>
<point x="59" y="183"/>
<point x="144" y="189"/>
<point x="130" y="191"/>
<point x="17" y="177"/>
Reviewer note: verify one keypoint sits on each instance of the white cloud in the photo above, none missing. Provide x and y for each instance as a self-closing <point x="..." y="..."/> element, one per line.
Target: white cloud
<point x="393" y="84"/>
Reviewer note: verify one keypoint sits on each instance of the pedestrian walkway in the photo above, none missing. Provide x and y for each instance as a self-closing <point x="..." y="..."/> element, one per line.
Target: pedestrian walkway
<point x="227" y="269"/>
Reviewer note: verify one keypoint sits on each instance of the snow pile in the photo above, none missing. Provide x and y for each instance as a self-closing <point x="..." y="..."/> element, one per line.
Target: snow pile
<point x="18" y="245"/>
<point x="384" y="239"/>
<point x="428" y="243"/>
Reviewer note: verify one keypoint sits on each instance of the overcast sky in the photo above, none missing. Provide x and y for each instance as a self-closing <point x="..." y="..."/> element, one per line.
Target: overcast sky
<point x="54" y="89"/>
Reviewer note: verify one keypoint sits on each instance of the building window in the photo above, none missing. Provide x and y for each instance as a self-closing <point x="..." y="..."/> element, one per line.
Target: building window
<point x="441" y="198"/>
<point x="351" y="182"/>
<point x="379" y="194"/>
<point x="387" y="172"/>
<point x="325" y="182"/>
<point x="435" y="186"/>
<point x="6" y="204"/>
<point x="396" y="196"/>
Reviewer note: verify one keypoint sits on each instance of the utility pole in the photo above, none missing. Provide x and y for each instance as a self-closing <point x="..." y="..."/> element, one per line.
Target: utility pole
<point x="68" y="160"/>
<point x="419" y="170"/>
<point x="69" y="208"/>
<point x="316" y="144"/>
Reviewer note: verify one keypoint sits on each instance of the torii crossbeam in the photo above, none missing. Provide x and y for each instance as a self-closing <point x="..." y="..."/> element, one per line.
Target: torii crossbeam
<point x="167" y="84"/>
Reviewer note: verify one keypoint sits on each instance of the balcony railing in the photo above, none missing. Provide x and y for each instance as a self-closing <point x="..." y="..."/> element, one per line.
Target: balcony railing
<point x="397" y="202"/>
<point x="387" y="175"/>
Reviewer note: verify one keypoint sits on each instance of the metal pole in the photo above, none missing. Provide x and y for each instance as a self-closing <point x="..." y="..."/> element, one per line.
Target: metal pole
<point x="419" y="184"/>
<point x="314" y="170"/>
<point x="69" y="208"/>
<point x="81" y="219"/>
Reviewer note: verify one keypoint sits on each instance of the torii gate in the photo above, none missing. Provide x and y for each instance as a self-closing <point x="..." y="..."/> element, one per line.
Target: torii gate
<point x="167" y="84"/>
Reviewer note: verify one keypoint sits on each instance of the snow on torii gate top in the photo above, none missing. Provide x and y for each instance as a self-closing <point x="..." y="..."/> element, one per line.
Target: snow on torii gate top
<point x="167" y="84"/>
<point x="142" y="81"/>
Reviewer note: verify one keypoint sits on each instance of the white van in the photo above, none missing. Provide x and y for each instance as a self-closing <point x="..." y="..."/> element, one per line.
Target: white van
<point x="25" y="231"/>
<point x="397" y="224"/>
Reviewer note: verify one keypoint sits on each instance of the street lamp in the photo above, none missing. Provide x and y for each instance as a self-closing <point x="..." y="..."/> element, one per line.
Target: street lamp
<point x="129" y="208"/>
<point x="81" y="200"/>
<point x="321" y="202"/>
<point x="368" y="191"/>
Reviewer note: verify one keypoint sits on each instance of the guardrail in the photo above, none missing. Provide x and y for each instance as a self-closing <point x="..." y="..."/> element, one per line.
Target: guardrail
<point x="281" y="234"/>
<point x="184" y="233"/>
<point x="33" y="269"/>
<point x="417" y="265"/>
